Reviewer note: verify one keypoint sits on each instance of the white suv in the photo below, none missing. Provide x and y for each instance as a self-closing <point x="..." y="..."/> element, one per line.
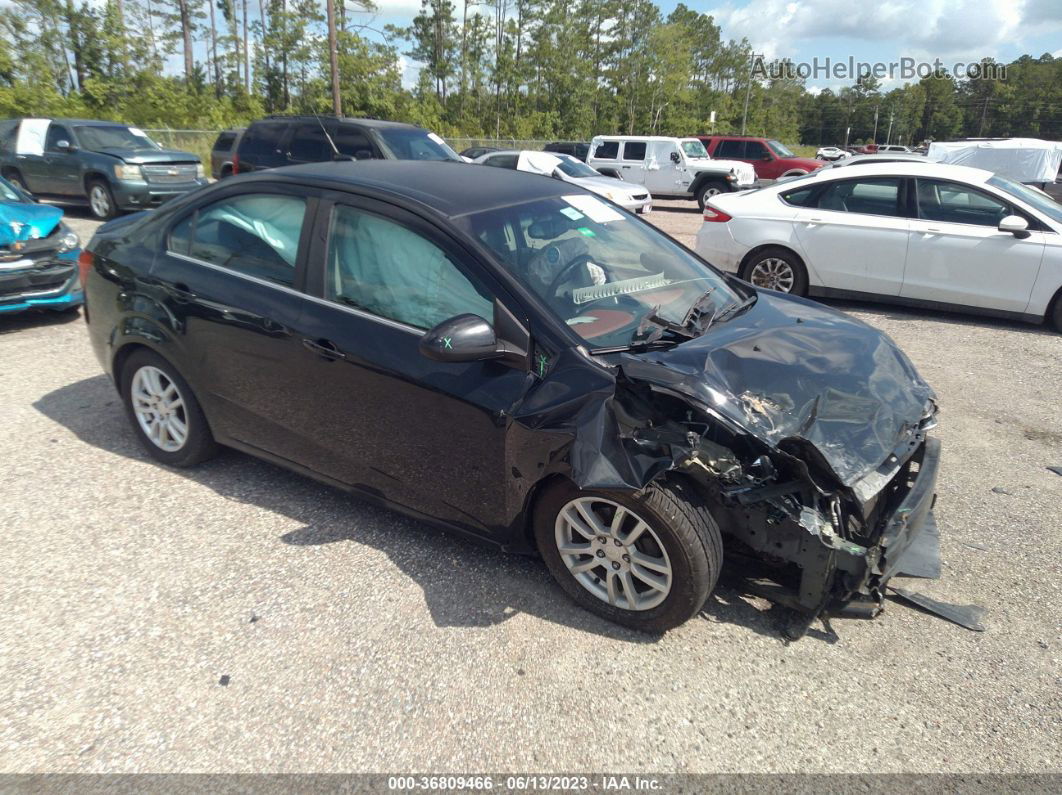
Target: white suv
<point x="675" y="168"/>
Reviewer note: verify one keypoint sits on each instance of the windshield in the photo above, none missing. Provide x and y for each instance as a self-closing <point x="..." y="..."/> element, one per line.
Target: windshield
<point x="576" y="168"/>
<point x="1040" y="201"/>
<point x="8" y="192"/>
<point x="694" y="149"/>
<point x="413" y="144"/>
<point x="96" y="138"/>
<point x="780" y="149"/>
<point x="602" y="271"/>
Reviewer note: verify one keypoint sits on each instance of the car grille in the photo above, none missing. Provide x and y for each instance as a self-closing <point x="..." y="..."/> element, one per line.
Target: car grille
<point x="171" y="173"/>
<point x="34" y="280"/>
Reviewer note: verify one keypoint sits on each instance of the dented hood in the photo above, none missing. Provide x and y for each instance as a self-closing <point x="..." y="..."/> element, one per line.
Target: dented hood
<point x="20" y="221"/>
<point x="791" y="369"/>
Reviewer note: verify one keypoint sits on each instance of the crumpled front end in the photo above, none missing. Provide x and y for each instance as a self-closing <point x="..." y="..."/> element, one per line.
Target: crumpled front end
<point x="805" y="428"/>
<point x="38" y="259"/>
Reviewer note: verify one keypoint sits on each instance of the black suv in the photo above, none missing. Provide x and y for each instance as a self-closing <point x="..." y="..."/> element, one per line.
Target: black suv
<point x="277" y="141"/>
<point x="579" y="149"/>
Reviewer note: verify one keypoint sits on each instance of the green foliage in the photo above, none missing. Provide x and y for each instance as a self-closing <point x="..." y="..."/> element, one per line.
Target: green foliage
<point x="522" y="69"/>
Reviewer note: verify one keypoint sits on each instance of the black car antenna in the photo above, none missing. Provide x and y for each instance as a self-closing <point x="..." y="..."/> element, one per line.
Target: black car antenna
<point x="331" y="143"/>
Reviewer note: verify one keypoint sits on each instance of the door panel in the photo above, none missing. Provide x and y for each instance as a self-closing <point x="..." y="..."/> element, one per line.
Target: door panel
<point x="62" y="174"/>
<point x="847" y="245"/>
<point x="663" y="176"/>
<point x="957" y="255"/>
<point x="632" y="161"/>
<point x="426" y="434"/>
<point x="222" y="279"/>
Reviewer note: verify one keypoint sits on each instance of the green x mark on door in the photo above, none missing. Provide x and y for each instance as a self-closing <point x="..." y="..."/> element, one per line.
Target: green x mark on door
<point x="448" y="343"/>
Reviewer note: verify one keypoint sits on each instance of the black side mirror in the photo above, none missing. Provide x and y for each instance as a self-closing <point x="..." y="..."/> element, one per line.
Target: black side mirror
<point x="766" y="158"/>
<point x="363" y="154"/>
<point x="675" y="157"/>
<point x="464" y="338"/>
<point x="341" y="158"/>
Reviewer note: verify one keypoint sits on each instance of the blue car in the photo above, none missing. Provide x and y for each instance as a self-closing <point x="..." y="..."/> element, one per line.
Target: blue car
<point x="38" y="255"/>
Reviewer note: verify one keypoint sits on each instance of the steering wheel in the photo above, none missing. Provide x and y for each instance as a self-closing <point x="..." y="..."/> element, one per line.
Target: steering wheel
<point x="560" y="278"/>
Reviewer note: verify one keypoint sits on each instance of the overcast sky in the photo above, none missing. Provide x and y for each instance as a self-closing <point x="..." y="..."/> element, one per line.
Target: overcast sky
<point x="872" y="31"/>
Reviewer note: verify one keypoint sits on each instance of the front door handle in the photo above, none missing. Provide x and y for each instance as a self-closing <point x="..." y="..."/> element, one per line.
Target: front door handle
<point x="325" y="348"/>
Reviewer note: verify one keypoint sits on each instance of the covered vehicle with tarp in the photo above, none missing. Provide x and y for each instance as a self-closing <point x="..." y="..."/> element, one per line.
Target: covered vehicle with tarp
<point x="1028" y="160"/>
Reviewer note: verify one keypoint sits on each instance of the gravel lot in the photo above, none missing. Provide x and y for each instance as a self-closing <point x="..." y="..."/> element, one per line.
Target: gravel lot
<point x="353" y="639"/>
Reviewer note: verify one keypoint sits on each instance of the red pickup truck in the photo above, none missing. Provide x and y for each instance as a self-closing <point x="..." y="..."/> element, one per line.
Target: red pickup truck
<point x="771" y="159"/>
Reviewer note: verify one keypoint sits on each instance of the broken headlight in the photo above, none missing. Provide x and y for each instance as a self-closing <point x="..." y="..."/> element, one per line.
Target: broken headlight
<point x="68" y="239"/>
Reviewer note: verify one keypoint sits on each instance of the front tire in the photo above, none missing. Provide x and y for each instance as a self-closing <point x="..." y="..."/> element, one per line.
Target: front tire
<point x="164" y="412"/>
<point x="709" y="190"/>
<point x="101" y="200"/>
<point x="646" y="560"/>
<point x="1056" y="314"/>
<point x="778" y="269"/>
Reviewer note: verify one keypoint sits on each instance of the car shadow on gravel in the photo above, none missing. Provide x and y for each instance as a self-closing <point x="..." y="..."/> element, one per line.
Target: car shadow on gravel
<point x="35" y="318"/>
<point x="492" y="586"/>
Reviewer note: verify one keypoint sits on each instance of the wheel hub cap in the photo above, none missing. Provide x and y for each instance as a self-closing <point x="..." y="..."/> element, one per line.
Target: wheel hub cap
<point x="613" y="553"/>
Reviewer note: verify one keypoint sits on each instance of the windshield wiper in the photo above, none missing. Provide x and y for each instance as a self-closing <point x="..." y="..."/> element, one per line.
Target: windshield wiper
<point x="733" y="309"/>
<point x="697" y="310"/>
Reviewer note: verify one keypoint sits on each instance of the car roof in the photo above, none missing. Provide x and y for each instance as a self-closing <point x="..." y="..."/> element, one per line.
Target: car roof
<point x="902" y="168"/>
<point x="448" y="187"/>
<point x="380" y="123"/>
<point x="643" y="137"/>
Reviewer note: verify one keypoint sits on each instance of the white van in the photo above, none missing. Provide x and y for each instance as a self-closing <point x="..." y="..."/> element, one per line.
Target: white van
<point x="671" y="168"/>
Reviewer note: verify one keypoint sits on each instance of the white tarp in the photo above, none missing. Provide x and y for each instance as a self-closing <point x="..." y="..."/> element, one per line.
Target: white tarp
<point x="1020" y="159"/>
<point x="31" y="134"/>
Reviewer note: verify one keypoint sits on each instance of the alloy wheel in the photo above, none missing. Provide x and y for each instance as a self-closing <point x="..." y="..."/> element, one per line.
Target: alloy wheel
<point x="773" y="273"/>
<point x="99" y="201"/>
<point x="613" y="553"/>
<point x="159" y="408"/>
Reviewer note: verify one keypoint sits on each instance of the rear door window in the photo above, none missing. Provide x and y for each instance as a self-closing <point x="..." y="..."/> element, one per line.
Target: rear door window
<point x="634" y="150"/>
<point x="309" y="144"/>
<point x="730" y="149"/>
<point x="256" y="234"/>
<point x="873" y="196"/>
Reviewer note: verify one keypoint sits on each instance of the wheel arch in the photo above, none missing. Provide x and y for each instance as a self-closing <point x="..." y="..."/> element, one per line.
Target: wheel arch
<point x="706" y="177"/>
<point x="94" y="175"/>
<point x="796" y="172"/>
<point x="752" y="252"/>
<point x="525" y="535"/>
<point x="1054" y="310"/>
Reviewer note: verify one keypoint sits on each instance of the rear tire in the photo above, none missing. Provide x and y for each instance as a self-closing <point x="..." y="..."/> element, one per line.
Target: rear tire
<point x="776" y="268"/>
<point x="710" y="189"/>
<point x="101" y="200"/>
<point x="159" y="403"/>
<point x="671" y="565"/>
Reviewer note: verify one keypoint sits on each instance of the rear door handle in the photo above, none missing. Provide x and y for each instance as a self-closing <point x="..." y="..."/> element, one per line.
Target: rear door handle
<point x="181" y="292"/>
<point x="325" y="348"/>
<point x="814" y="220"/>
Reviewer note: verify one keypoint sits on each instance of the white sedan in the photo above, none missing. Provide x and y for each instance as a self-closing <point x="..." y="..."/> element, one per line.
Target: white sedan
<point x="929" y="235"/>
<point x="831" y="153"/>
<point x="628" y="195"/>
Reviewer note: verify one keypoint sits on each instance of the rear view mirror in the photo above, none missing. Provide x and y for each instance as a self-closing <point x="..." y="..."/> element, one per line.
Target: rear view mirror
<point x="675" y="157"/>
<point x="1016" y="225"/>
<point x="464" y="338"/>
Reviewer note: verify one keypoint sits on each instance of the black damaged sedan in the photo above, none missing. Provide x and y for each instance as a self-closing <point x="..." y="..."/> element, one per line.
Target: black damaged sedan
<point x="513" y="358"/>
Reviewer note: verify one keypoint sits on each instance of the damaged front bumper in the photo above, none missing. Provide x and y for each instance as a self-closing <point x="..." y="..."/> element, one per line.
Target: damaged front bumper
<point x="40" y="282"/>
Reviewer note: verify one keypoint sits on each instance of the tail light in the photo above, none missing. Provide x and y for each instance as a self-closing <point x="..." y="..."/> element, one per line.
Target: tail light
<point x="712" y="214"/>
<point x="235" y="164"/>
<point x="84" y="264"/>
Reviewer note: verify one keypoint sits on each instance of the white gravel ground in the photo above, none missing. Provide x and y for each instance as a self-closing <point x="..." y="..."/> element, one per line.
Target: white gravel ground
<point x="354" y="639"/>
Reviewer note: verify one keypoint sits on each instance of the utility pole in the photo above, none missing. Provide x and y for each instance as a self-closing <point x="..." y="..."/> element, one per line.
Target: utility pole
<point x="333" y="57"/>
<point x="888" y="135"/>
<point x="246" y="53"/>
<point x="984" y="112"/>
<point x="748" y="91"/>
<point x="874" y="137"/>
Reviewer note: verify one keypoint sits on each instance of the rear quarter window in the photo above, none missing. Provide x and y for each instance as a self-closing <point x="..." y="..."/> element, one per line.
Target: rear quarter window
<point x="607" y="150"/>
<point x="634" y="150"/>
<point x="261" y="141"/>
<point x="801" y="197"/>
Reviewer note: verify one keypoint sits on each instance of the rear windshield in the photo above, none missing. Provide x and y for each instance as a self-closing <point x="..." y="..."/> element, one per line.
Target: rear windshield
<point x="224" y="141"/>
<point x="414" y="144"/>
<point x="95" y="138"/>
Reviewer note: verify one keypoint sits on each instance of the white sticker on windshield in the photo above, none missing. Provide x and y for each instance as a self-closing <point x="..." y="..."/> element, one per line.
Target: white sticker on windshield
<point x="138" y="132"/>
<point x="436" y="138"/>
<point x="595" y="209"/>
<point x="572" y="213"/>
